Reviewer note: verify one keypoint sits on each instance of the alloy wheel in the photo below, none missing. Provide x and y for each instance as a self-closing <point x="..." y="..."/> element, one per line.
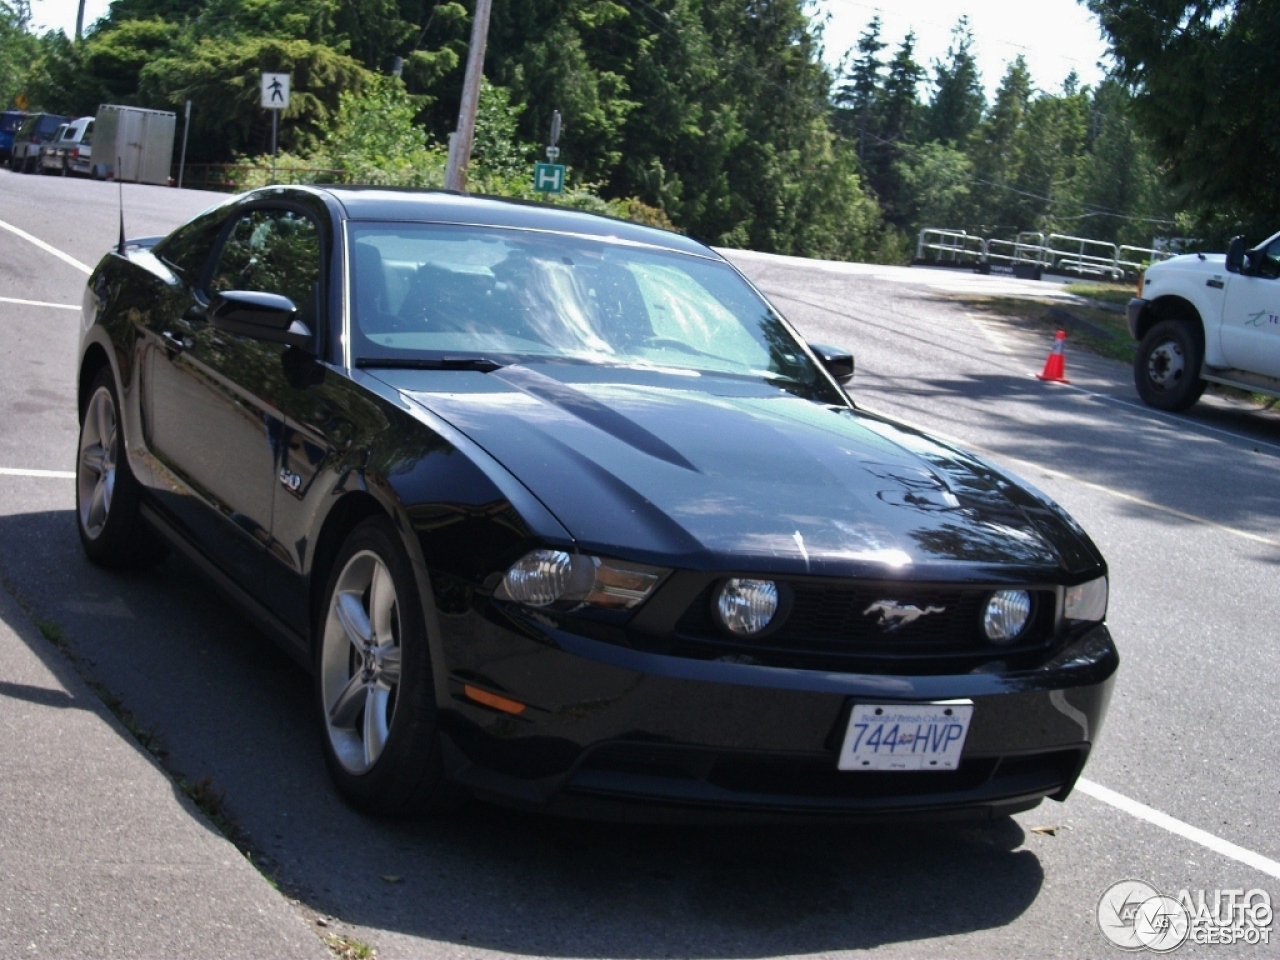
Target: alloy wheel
<point x="360" y="661"/>
<point x="96" y="468"/>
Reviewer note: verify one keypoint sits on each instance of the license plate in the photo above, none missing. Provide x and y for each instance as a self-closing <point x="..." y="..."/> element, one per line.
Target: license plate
<point x="906" y="736"/>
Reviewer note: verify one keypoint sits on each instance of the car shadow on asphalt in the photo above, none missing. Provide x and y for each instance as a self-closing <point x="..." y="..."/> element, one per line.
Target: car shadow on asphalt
<point x="229" y="706"/>
<point x="1157" y="466"/>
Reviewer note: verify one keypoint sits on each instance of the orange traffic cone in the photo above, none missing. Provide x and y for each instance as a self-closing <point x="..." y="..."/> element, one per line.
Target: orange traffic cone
<point x="1055" y="366"/>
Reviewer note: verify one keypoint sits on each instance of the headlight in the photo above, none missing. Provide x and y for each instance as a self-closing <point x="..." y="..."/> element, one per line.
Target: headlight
<point x="544" y="577"/>
<point x="1006" y="615"/>
<point x="747" y="606"/>
<point x="539" y="578"/>
<point x="1087" y="601"/>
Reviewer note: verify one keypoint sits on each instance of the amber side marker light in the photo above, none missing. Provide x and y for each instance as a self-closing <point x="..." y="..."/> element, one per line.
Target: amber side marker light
<point x="492" y="700"/>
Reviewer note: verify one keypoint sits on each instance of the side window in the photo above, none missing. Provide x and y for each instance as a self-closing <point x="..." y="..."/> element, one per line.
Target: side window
<point x="1270" y="266"/>
<point x="187" y="249"/>
<point x="272" y="251"/>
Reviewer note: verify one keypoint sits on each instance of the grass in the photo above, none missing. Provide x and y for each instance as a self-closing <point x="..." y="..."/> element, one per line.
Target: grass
<point x="1120" y="293"/>
<point x="347" y="949"/>
<point x="1037" y="311"/>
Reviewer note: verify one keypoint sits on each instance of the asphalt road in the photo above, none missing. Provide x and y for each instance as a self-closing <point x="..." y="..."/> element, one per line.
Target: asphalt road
<point x="1185" y="508"/>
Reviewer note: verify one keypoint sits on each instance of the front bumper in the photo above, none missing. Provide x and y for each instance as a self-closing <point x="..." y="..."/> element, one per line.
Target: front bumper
<point x="618" y="733"/>
<point x="1133" y="314"/>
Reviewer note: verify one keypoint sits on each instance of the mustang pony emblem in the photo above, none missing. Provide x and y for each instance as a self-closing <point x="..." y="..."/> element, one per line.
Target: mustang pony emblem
<point x="894" y="614"/>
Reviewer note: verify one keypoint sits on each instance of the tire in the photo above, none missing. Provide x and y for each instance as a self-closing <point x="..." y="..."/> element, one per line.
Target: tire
<point x="112" y="531"/>
<point x="1166" y="370"/>
<point x="374" y="690"/>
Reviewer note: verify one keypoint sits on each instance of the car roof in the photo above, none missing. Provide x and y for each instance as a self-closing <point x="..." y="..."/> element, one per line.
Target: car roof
<point x="441" y="206"/>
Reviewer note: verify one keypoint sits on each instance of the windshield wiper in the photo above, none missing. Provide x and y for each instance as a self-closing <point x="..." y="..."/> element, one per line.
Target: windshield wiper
<point x="479" y="364"/>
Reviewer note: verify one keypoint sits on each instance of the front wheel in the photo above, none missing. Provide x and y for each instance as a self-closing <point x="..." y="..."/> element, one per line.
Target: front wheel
<point x="108" y="496"/>
<point x="1166" y="370"/>
<point x="374" y="691"/>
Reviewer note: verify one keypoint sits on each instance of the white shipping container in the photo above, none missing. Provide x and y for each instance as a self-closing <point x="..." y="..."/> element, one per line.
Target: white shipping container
<point x="139" y="141"/>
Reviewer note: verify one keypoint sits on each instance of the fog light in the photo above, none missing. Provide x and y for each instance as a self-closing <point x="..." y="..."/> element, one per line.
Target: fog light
<point x="747" y="606"/>
<point x="1006" y="615"/>
<point x="539" y="578"/>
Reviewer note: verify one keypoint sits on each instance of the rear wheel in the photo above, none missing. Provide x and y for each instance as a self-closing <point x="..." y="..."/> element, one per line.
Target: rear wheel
<point x="112" y="531"/>
<point x="1166" y="370"/>
<point x="374" y="691"/>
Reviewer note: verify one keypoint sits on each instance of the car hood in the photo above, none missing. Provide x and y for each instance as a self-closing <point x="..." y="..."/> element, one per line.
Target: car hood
<point x="705" y="471"/>
<point x="1209" y="263"/>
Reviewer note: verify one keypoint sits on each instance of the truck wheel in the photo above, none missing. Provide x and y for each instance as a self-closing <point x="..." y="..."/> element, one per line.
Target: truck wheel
<point x="1166" y="370"/>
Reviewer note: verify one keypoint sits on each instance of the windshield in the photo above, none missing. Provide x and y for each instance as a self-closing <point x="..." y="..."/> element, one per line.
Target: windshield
<point x="429" y="291"/>
<point x="11" y="121"/>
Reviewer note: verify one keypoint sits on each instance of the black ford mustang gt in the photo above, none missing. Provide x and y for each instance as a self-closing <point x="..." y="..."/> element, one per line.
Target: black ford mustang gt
<point x="559" y="511"/>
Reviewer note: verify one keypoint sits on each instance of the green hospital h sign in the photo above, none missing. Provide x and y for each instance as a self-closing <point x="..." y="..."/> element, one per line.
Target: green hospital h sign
<point x="548" y="177"/>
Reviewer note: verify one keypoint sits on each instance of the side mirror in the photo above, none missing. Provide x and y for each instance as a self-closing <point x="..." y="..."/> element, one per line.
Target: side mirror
<point x="263" y="316"/>
<point x="838" y="363"/>
<point x="1235" y="255"/>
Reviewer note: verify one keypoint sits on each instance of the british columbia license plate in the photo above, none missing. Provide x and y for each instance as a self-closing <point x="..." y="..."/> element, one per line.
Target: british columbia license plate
<point x="906" y="736"/>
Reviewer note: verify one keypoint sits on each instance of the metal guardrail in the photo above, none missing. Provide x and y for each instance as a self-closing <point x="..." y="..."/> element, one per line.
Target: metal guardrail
<point x="1057" y="252"/>
<point x="953" y="245"/>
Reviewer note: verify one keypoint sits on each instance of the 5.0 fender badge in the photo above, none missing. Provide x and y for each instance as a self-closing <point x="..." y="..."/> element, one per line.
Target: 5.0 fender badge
<point x="893" y="614"/>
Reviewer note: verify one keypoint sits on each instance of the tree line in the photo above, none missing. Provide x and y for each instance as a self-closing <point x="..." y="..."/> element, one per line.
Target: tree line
<point x="717" y="116"/>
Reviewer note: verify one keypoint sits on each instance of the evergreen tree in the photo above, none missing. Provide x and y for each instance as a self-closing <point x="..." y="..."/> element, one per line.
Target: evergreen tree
<point x="897" y="123"/>
<point x="1203" y="72"/>
<point x="857" y="94"/>
<point x="958" y="101"/>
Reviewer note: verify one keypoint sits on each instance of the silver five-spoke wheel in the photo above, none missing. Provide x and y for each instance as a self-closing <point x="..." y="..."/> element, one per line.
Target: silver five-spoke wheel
<point x="360" y="661"/>
<point x="96" y="469"/>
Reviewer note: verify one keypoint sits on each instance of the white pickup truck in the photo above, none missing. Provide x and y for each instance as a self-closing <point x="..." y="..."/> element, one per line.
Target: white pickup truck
<point x="1208" y="317"/>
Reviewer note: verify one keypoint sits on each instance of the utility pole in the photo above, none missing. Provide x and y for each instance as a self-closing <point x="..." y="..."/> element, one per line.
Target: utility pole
<point x="186" y="128"/>
<point x="455" y="175"/>
<point x="80" y="22"/>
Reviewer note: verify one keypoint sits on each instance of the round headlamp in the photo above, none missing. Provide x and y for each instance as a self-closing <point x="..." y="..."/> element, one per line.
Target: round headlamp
<point x="539" y="578"/>
<point x="1006" y="615"/>
<point x="746" y="607"/>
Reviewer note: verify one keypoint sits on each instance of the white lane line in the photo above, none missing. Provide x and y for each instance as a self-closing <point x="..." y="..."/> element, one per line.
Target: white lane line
<point x="55" y="474"/>
<point x="1060" y="475"/>
<point x="39" y="303"/>
<point x="65" y="257"/>
<point x="1153" y="816"/>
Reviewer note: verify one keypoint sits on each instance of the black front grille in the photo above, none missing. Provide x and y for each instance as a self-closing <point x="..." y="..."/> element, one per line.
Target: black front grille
<point x="839" y="616"/>
<point x="835" y="621"/>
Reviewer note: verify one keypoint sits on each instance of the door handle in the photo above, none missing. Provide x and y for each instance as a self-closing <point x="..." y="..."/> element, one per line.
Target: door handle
<point x="1214" y="282"/>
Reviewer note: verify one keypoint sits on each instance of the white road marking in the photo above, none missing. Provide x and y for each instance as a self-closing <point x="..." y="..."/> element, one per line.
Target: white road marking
<point x="1153" y="816"/>
<point x="55" y="474"/>
<point x="47" y="248"/>
<point x="39" y="303"/>
<point x="1060" y="475"/>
